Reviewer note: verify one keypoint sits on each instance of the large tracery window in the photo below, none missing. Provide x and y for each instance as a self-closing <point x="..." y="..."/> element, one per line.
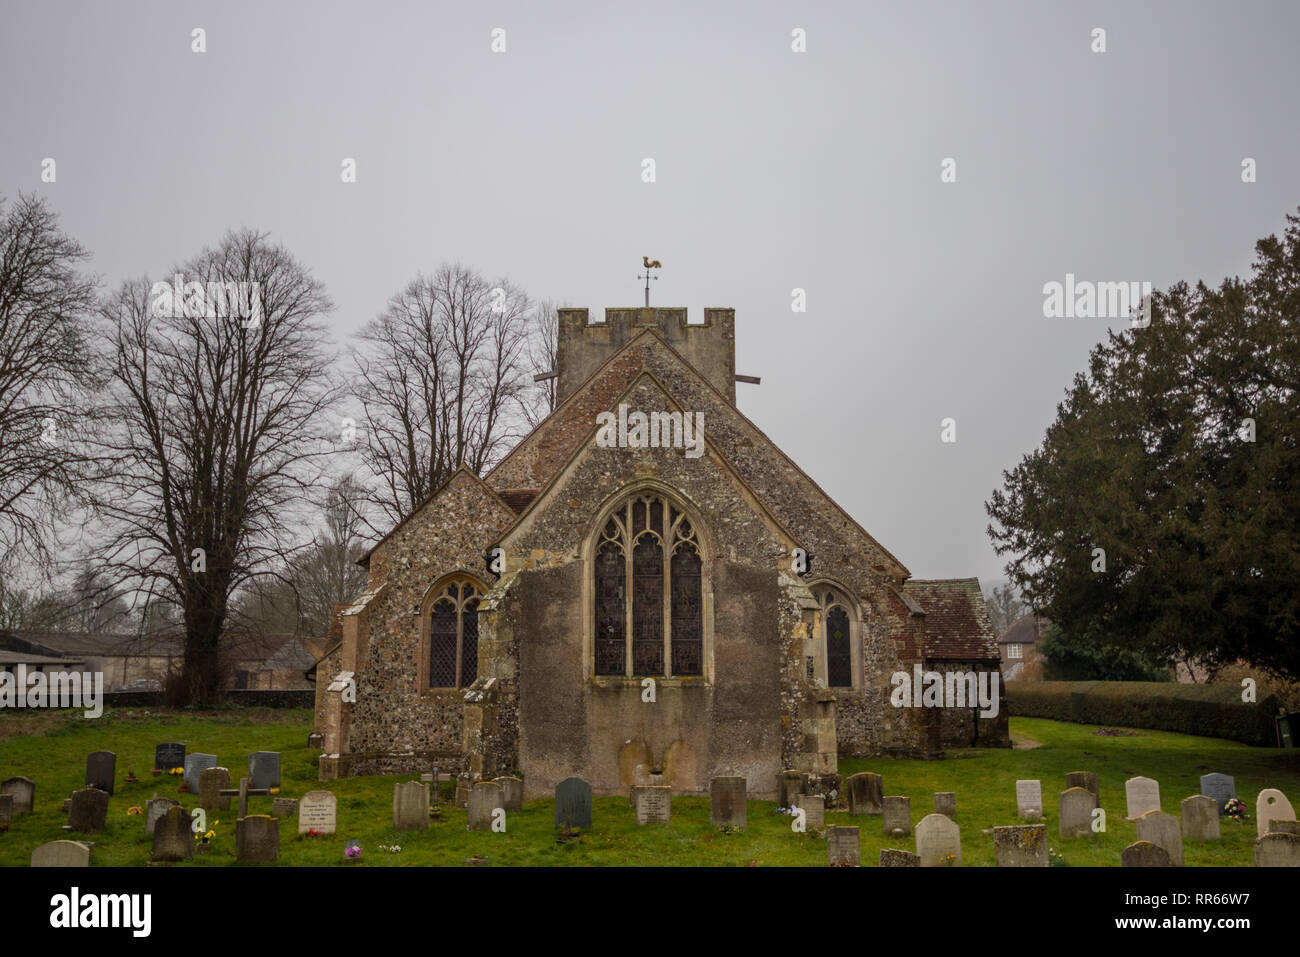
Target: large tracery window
<point x="648" y="585"/>
<point x="452" y="650"/>
<point x="838" y="637"/>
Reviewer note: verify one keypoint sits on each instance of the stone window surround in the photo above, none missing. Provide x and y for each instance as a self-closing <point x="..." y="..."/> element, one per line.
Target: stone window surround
<point x="426" y="634"/>
<point x="845" y="599"/>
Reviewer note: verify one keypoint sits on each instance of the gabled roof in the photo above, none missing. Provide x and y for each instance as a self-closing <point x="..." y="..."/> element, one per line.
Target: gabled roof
<point x="956" y="621"/>
<point x="1025" y="630"/>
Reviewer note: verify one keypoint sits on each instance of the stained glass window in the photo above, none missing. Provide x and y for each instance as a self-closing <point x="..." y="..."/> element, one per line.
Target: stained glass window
<point x="839" y="649"/>
<point x="611" y="610"/>
<point x="648" y="606"/>
<point x="442" y="645"/>
<point x="687" y="630"/>
<point x="453" y="635"/>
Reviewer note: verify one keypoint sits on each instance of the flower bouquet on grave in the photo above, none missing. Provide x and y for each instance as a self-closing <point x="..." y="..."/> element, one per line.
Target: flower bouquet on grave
<point x="134" y="809"/>
<point x="203" y="841"/>
<point x="1235" y="808"/>
<point x="352" y="853"/>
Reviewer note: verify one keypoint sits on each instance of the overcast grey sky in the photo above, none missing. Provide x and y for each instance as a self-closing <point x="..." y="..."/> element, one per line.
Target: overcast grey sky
<point x="775" y="170"/>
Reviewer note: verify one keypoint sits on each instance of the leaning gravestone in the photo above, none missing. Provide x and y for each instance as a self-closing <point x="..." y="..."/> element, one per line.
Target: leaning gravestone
<point x="1022" y="845"/>
<point x="264" y="769"/>
<point x="893" y="857"/>
<point x="173" y="836"/>
<point x="1278" y="850"/>
<point x="1164" y="831"/>
<point x="573" y="803"/>
<point x="843" y="848"/>
<point x="62" y="854"/>
<point x="88" y="811"/>
<point x="284" y="807"/>
<point x="938" y="841"/>
<point x="101" y="768"/>
<point x="866" y="793"/>
<point x="1086" y="780"/>
<point x="6" y="811"/>
<point x="212" y="781"/>
<point x="1220" y="787"/>
<point x="318" y="811"/>
<point x="1200" y="815"/>
<point x="257" y="839"/>
<point x="727" y="806"/>
<point x="1271" y="805"/>
<point x="945" y="802"/>
<point x="154" y="811"/>
<point x="512" y="793"/>
<point x="194" y="765"/>
<point x="23" y="792"/>
<point x="654" y="804"/>
<point x="1029" y="800"/>
<point x="1143" y="795"/>
<point x="898" y="815"/>
<point x="1144" y="854"/>
<point x="410" y="806"/>
<point x="1075" y="818"/>
<point x="814" y="811"/>
<point x="168" y="756"/>
<point x="484" y="800"/>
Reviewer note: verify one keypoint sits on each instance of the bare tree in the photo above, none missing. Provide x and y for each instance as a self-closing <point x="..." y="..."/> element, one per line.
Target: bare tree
<point x="214" y="411"/>
<point x="543" y="344"/>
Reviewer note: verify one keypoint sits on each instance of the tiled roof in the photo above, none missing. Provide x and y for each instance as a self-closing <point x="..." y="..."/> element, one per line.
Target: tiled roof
<point x="104" y="644"/>
<point x="1026" y="630"/>
<point x="956" y="621"/>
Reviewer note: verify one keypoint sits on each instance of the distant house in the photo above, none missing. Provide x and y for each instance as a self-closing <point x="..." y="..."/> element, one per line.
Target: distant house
<point x="15" y="651"/>
<point x="1018" y="645"/>
<point x="125" y="660"/>
<point x="271" y="662"/>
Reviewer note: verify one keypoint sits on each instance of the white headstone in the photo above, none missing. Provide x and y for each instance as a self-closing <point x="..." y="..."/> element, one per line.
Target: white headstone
<point x="318" y="811"/>
<point x="1029" y="799"/>
<point x="1271" y="805"/>
<point x="938" y="841"/>
<point x="1143" y="795"/>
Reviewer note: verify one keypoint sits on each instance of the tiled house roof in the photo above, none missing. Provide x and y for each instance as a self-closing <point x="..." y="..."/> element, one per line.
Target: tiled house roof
<point x="1026" y="630"/>
<point x="956" y="622"/>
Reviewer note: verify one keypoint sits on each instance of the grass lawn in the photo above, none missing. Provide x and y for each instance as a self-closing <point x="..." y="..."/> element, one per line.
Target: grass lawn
<point x="51" y="749"/>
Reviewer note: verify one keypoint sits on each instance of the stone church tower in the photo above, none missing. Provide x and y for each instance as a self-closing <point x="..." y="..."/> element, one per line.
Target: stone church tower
<point x="512" y="621"/>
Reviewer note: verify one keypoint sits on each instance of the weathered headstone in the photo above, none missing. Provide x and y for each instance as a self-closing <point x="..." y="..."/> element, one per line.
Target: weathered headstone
<point x="173" y="837"/>
<point x="6" y="811"/>
<point x="512" y="793"/>
<point x="23" y="791"/>
<point x="1220" y="787"/>
<point x="257" y="839"/>
<point x="814" y="811"/>
<point x="1271" y="805"/>
<point x="315" y="740"/>
<point x="789" y="784"/>
<point x="264" y="769"/>
<point x="1164" y="831"/>
<point x="464" y="784"/>
<point x="573" y="803"/>
<point x="1021" y="845"/>
<point x="410" y="806"/>
<point x="1077" y="805"/>
<point x="654" y="804"/>
<point x="1142" y="794"/>
<point x="88" y="811"/>
<point x="1284" y="827"/>
<point x="284" y="807"/>
<point x="1086" y="780"/>
<point x="168" y="756"/>
<point x="1144" y="854"/>
<point x="154" y="811"/>
<point x="61" y="854"/>
<point x="212" y="781"/>
<point x="101" y="768"/>
<point x="843" y="848"/>
<point x="893" y="857"/>
<point x="1200" y="815"/>
<point x="319" y="811"/>
<point x="898" y="815"/>
<point x="194" y="764"/>
<point x="866" y="793"/>
<point x="483" y="801"/>
<point x="938" y="841"/>
<point x="1278" y="849"/>
<point x="1029" y="799"/>
<point x="945" y="802"/>
<point x="727" y="807"/>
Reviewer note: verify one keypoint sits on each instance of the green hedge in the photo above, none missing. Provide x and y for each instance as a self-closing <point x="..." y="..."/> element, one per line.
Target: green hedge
<point x="1213" y="711"/>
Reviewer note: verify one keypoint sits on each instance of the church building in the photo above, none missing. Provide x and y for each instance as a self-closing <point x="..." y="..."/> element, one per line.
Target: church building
<point x="645" y="586"/>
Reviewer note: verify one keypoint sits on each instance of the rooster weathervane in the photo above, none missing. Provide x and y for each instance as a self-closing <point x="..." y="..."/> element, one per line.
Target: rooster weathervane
<point x="649" y="264"/>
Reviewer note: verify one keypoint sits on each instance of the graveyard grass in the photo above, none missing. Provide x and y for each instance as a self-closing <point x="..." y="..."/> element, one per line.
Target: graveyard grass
<point x="51" y="749"/>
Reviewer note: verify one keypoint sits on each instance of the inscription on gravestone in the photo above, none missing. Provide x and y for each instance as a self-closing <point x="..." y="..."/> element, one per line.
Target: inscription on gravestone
<point x="194" y="764"/>
<point x="1220" y="787"/>
<point x="1029" y="799"/>
<point x="814" y="808"/>
<point x="168" y="756"/>
<point x="484" y="799"/>
<point x="938" y="841"/>
<point x="264" y="769"/>
<point x="653" y="804"/>
<point x="898" y="816"/>
<point x="843" y="848"/>
<point x="318" y="811"/>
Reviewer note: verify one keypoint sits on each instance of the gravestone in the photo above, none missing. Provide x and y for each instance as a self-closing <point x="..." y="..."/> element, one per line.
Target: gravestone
<point x="727" y="806"/>
<point x="154" y="811"/>
<point x="1144" y="854"/>
<point x="814" y="811"/>
<point x="1164" y="831"/>
<point x="1284" y="827"/>
<point x="843" y="848"/>
<point x="1220" y="787"/>
<point x="1278" y="850"/>
<point x="893" y="857"/>
<point x="1086" y="780"/>
<point x="319" y="811"/>
<point x="1029" y="799"/>
<point x="61" y="854"/>
<point x="1077" y="805"/>
<point x="573" y="803"/>
<point x="631" y="794"/>
<point x="168" y="756"/>
<point x="173" y="836"/>
<point x="1143" y="795"/>
<point x="194" y="764"/>
<point x="101" y="768"/>
<point x="88" y="811"/>
<point x="23" y="791"/>
<point x="790" y="783"/>
<point x="1200" y="815"/>
<point x="945" y="802"/>
<point x="512" y="793"/>
<point x="866" y="793"/>
<point x="6" y="811"/>
<point x="654" y="804"/>
<point x="938" y="841"/>
<point x="212" y="781"/>
<point x="257" y="839"/>
<point x="1021" y="845"/>
<point x="316" y="740"/>
<point x="264" y="769"/>
<point x="410" y="806"/>
<point x="1271" y="805"/>
<point x="898" y="815"/>
<point x="464" y="784"/>
<point x="483" y="800"/>
<point x="284" y="807"/>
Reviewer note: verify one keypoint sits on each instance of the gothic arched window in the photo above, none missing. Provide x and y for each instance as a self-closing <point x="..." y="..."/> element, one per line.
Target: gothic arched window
<point x="450" y="627"/>
<point x="837" y="637"/>
<point x="648" y="586"/>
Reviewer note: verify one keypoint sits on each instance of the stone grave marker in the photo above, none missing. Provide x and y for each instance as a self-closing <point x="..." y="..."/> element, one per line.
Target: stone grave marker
<point x="173" y="836"/>
<point x="154" y="811"/>
<point x="843" y="848"/>
<point x="244" y="792"/>
<point x="727" y="806"/>
<point x="101" y="768"/>
<point x="893" y="857"/>
<point x="88" y="811"/>
<point x="1278" y="849"/>
<point x="573" y="803"/>
<point x="483" y="800"/>
<point x="1200" y="815"/>
<point x="1021" y="845"/>
<point x="512" y="793"/>
<point x="1144" y="854"/>
<point x="945" y="802"/>
<point x="814" y="810"/>
<point x="1086" y="780"/>
<point x="168" y="756"/>
<point x="257" y="839"/>
<point x="898" y="815"/>
<point x="1271" y="805"/>
<point x="315" y="740"/>
<point x="284" y="807"/>
<point x="6" y="811"/>
<point x="1284" y="827"/>
<point x="866" y="793"/>
<point x="62" y="854"/>
<point x="938" y="841"/>
<point x="1220" y="787"/>
<point x="464" y="785"/>
<point x="194" y="764"/>
<point x="318" y="811"/>
<point x="212" y="782"/>
<point x="23" y="791"/>
<point x="410" y="806"/>
<point x="1164" y="831"/>
<point x="1029" y="800"/>
<point x="1077" y="805"/>
<point x="654" y="804"/>
<point x="789" y="784"/>
<point x="1143" y="795"/>
<point x="264" y="769"/>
